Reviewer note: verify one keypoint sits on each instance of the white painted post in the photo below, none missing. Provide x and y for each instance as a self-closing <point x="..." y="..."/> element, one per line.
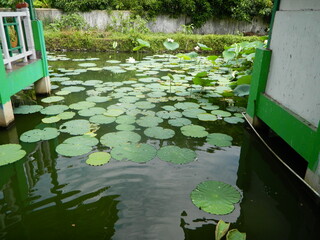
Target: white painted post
<point x="6" y="114"/>
<point x="21" y="38"/>
<point x="43" y="86"/>
<point x="4" y="43"/>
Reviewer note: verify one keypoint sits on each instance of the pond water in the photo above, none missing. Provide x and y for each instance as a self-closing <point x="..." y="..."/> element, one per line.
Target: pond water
<point x="48" y="195"/>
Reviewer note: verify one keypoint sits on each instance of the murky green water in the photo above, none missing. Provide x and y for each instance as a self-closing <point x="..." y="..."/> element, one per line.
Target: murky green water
<point x="49" y="196"/>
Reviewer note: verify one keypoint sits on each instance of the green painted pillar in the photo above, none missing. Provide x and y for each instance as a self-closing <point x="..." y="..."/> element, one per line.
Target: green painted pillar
<point x="31" y="10"/>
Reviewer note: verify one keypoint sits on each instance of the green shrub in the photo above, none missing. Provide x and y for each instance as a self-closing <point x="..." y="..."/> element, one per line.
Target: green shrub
<point x="72" y="21"/>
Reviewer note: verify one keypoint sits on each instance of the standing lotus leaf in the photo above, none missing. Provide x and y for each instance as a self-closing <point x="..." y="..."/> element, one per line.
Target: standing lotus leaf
<point x="54" y="109"/>
<point x="76" y="127"/>
<point x="194" y="131"/>
<point x="159" y="132"/>
<point x="176" y="154"/>
<point x="115" y="139"/>
<point x="98" y="158"/>
<point x="134" y="152"/>
<point x="27" y="109"/>
<point x="10" y="153"/>
<point x="36" y="135"/>
<point x="215" y="197"/>
<point x="219" y="139"/>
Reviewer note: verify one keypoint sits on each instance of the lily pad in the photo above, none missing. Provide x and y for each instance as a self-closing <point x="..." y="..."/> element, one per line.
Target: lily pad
<point x="193" y="113"/>
<point x="113" y="112"/>
<point x="140" y="153"/>
<point x="54" y="109"/>
<point x="194" y="131"/>
<point x="114" y="139"/>
<point x="221" y="113"/>
<point x="97" y="99"/>
<point x="169" y="114"/>
<point x="98" y="158"/>
<point x="52" y="99"/>
<point x="82" y="105"/>
<point x="92" y="82"/>
<point x="125" y="119"/>
<point x="87" y="64"/>
<point x="215" y="197"/>
<point x="186" y="105"/>
<point x="53" y="119"/>
<point x="66" y="115"/>
<point x="176" y="155"/>
<point x="149" y="121"/>
<point x="91" y="111"/>
<point x="206" y="117"/>
<point x="27" y="109"/>
<point x="10" y="153"/>
<point x="125" y="127"/>
<point x="234" y="234"/>
<point x="159" y="132"/>
<point x="219" y="139"/>
<point x="101" y="119"/>
<point x="73" y="89"/>
<point x="76" y="127"/>
<point x="233" y="120"/>
<point x="76" y="146"/>
<point x="144" y="105"/>
<point x="36" y="135"/>
<point x="179" y="122"/>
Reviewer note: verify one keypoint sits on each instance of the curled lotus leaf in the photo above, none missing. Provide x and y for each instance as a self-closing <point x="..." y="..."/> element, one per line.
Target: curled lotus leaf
<point x="101" y="119"/>
<point x="54" y="109"/>
<point x="52" y="99"/>
<point x="10" y="153"/>
<point x="149" y="121"/>
<point x="176" y="155"/>
<point x="88" y="112"/>
<point x="194" y="131"/>
<point x="27" y="109"/>
<point x="98" y="158"/>
<point x="36" y="135"/>
<point x="179" y="122"/>
<point x="82" y="105"/>
<point x="219" y="139"/>
<point x="215" y="197"/>
<point x="76" y="127"/>
<point x="114" y="139"/>
<point x="140" y="153"/>
<point x="159" y="132"/>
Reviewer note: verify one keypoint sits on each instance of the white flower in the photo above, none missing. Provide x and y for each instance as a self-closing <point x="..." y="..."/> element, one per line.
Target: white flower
<point x="130" y="60"/>
<point x="170" y="40"/>
<point x="197" y="48"/>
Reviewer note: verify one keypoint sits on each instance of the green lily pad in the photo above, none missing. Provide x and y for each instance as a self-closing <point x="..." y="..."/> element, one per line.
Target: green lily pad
<point x="97" y="99"/>
<point x="233" y="120"/>
<point x="82" y="105"/>
<point x="10" y="153"/>
<point x="210" y="107"/>
<point x="159" y="132"/>
<point x="63" y="93"/>
<point x="221" y="113"/>
<point x="126" y="119"/>
<point x="76" y="127"/>
<point x="113" y="112"/>
<point x="167" y="114"/>
<point x="114" y="139"/>
<point x="194" y="131"/>
<point x="73" y="89"/>
<point x="186" y="105"/>
<point x="144" y="105"/>
<point x="149" y="121"/>
<point x="193" y="113"/>
<point x="66" y="115"/>
<point x="179" y="122"/>
<point x="176" y="154"/>
<point x="76" y="146"/>
<point x="87" y="64"/>
<point x="36" y="135"/>
<point x="54" y="109"/>
<point x="140" y="153"/>
<point x="88" y="112"/>
<point x="206" y="117"/>
<point x="169" y="108"/>
<point x="27" y="109"/>
<point x="219" y="139"/>
<point x="215" y="197"/>
<point x="53" y="119"/>
<point x="101" y="119"/>
<point x="125" y="127"/>
<point x="98" y="158"/>
<point x="84" y="140"/>
<point x="52" y="99"/>
<point x="234" y="234"/>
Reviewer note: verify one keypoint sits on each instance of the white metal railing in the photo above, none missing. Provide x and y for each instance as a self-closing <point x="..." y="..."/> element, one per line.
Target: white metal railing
<point x="24" y="34"/>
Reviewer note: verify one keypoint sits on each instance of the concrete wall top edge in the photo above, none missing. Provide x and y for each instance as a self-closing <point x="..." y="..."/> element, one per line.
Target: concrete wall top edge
<point x="296" y="5"/>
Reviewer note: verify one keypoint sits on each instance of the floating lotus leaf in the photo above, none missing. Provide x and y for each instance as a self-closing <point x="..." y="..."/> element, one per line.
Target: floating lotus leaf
<point x="125" y="119"/>
<point x="76" y="127"/>
<point x="71" y="83"/>
<point x="159" y="133"/>
<point x="176" y="154"/>
<point x="169" y="108"/>
<point x="149" y="79"/>
<point x="167" y="115"/>
<point x="53" y="119"/>
<point x="128" y="99"/>
<point x="193" y="113"/>
<point x="215" y="197"/>
<point x="219" y="139"/>
<point x="73" y="89"/>
<point x="233" y="120"/>
<point x="140" y="153"/>
<point x="236" y="109"/>
<point x="97" y="99"/>
<point x="92" y="82"/>
<point x="87" y="64"/>
<point x="186" y="105"/>
<point x="221" y="113"/>
<point x="157" y="94"/>
<point x="149" y="121"/>
<point x="114" y="139"/>
<point x="118" y="71"/>
<point x="10" y="153"/>
<point x="83" y="140"/>
<point x="54" y="109"/>
<point x="62" y="93"/>
<point x="113" y="112"/>
<point x="144" y="105"/>
<point x="234" y="234"/>
<point x="98" y="158"/>
<point x="194" y="131"/>
<point x="206" y="117"/>
<point x="101" y="119"/>
<point x="179" y="122"/>
<point x="36" y="135"/>
<point x="210" y="107"/>
<point x="88" y="112"/>
<point x="72" y="150"/>
<point x="125" y="127"/>
<point x="66" y="115"/>
<point x="113" y="61"/>
<point x="27" y="109"/>
<point x="52" y="99"/>
<point x="82" y="105"/>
